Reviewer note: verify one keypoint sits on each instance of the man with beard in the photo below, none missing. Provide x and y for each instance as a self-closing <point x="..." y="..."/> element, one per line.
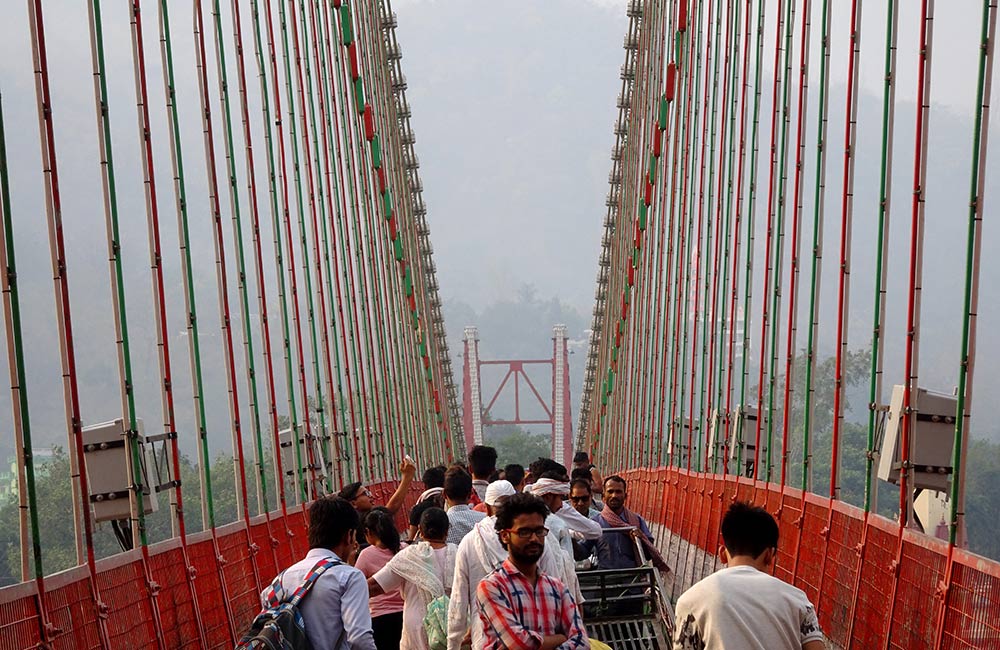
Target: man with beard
<point x="520" y="607"/>
<point x="479" y="555"/>
<point x="616" y="550"/>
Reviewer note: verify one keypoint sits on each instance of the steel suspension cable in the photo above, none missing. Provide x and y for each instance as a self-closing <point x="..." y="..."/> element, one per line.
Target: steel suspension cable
<point x="241" y="274"/>
<point x="722" y="227"/>
<point x="730" y="249"/>
<point x="678" y="199"/>
<point x="793" y="283"/>
<point x="349" y="171"/>
<point x="265" y="101"/>
<point x="973" y="255"/>
<point x="222" y="285"/>
<point x="301" y="487"/>
<point x="748" y="267"/>
<point x="733" y="313"/>
<point x="366" y="282"/>
<point x="178" y="525"/>
<point x="181" y="207"/>
<point x="915" y="283"/>
<point x="769" y="262"/>
<point x="661" y="240"/>
<point x="57" y="251"/>
<point x="389" y="313"/>
<point x="967" y="359"/>
<point x="137" y="515"/>
<point x="317" y="213"/>
<point x="307" y="489"/>
<point x="345" y="176"/>
<point x="847" y="208"/>
<point x="816" y="268"/>
<point x="882" y="244"/>
<point x="674" y="85"/>
<point x="709" y="423"/>
<point x="815" y="274"/>
<point x="364" y="112"/>
<point x="779" y="243"/>
<point x="194" y="345"/>
<point x="694" y="441"/>
<point x="370" y="245"/>
<point x="632" y="287"/>
<point x="633" y="259"/>
<point x="27" y="487"/>
<point x="419" y="237"/>
<point x="333" y="285"/>
<point x="687" y="201"/>
<point x="258" y="259"/>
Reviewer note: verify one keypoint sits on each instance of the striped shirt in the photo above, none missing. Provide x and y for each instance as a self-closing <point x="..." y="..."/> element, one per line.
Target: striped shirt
<point x="517" y="614"/>
<point x="461" y="520"/>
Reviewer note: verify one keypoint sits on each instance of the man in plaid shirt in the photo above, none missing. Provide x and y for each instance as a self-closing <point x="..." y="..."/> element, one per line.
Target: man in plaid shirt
<point x="520" y="607"/>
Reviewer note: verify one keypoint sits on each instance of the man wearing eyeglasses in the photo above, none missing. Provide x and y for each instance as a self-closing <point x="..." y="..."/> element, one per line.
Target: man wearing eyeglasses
<point x="521" y="607"/>
<point x="362" y="500"/>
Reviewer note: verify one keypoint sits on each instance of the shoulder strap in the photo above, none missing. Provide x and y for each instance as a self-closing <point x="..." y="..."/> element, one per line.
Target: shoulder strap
<point x="311" y="578"/>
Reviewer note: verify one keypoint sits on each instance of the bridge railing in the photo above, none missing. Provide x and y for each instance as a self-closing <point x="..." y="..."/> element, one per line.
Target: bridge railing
<point x="936" y="596"/>
<point x="226" y="572"/>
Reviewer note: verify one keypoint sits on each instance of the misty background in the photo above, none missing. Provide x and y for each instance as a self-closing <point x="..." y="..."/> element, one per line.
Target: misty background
<point x="513" y="107"/>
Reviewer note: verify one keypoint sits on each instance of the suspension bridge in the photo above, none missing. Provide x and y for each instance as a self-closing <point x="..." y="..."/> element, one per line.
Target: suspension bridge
<point x="281" y="134"/>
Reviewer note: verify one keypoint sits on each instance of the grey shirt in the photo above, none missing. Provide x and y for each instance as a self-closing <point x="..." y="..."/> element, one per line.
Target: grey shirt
<point x="461" y="519"/>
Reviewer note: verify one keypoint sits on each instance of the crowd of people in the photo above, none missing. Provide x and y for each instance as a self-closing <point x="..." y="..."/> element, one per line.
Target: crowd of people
<point x="490" y="560"/>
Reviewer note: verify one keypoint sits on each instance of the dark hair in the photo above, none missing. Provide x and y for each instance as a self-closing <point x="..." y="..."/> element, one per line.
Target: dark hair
<point x="433" y="477"/>
<point x="581" y="457"/>
<point x="331" y="519"/>
<point x="580" y="473"/>
<point x="434" y="524"/>
<point x="555" y="475"/>
<point x="381" y="524"/>
<point x="457" y="484"/>
<point x="482" y="461"/>
<point x="582" y="482"/>
<point x="436" y="501"/>
<point x="616" y="479"/>
<point x="543" y="465"/>
<point x="495" y="476"/>
<point x="517" y="505"/>
<point x="514" y="473"/>
<point x="748" y="530"/>
<point x="350" y="492"/>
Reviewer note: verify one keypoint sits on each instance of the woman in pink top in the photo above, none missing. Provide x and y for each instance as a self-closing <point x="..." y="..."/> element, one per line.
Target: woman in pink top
<point x="387" y="609"/>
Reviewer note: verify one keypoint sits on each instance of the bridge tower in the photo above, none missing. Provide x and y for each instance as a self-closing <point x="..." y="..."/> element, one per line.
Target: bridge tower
<point x="557" y="407"/>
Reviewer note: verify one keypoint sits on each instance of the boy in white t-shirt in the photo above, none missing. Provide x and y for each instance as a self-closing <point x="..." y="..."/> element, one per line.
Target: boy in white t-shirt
<point x="743" y="606"/>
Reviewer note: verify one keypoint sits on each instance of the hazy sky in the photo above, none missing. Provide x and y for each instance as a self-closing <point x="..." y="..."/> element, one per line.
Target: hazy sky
<point x="513" y="108"/>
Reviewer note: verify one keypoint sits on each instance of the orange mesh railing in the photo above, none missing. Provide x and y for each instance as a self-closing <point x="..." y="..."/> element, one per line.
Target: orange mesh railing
<point x="229" y="596"/>
<point x="844" y="562"/>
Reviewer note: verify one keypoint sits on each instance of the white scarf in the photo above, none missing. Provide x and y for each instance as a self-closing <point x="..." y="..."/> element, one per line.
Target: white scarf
<point x="427" y="494"/>
<point x="486" y="543"/>
<point x="554" y="561"/>
<point x="416" y="564"/>
<point x="549" y="486"/>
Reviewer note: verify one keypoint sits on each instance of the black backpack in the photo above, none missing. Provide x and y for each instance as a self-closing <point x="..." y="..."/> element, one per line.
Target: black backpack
<point x="279" y="626"/>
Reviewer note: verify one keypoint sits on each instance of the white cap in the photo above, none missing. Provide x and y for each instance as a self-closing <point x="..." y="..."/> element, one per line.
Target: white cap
<point x="497" y="490"/>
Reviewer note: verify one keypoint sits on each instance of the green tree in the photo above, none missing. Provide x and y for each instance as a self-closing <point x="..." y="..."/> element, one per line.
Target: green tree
<point x="515" y="445"/>
<point x="982" y="501"/>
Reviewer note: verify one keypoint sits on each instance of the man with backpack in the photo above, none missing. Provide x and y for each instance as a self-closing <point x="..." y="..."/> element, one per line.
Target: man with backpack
<point x="330" y="595"/>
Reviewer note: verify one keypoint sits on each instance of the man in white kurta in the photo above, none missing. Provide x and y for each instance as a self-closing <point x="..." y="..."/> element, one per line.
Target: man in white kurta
<point x="481" y="553"/>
